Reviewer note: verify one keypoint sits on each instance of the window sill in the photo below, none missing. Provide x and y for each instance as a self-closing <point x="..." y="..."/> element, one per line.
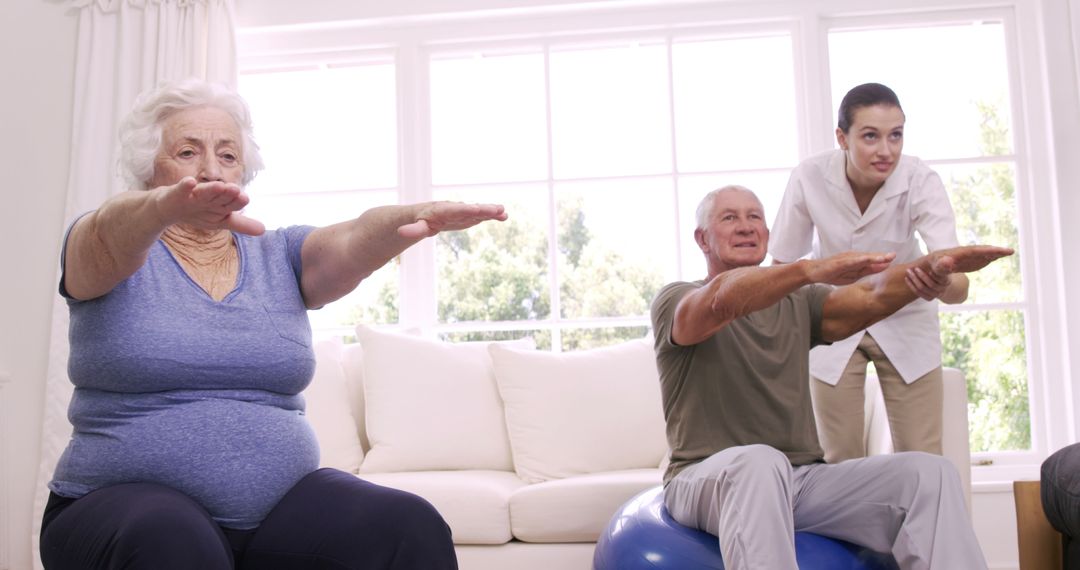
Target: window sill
<point x="999" y="478"/>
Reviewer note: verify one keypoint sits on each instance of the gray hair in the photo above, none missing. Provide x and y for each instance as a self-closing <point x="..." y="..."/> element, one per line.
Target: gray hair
<point x="141" y="132"/>
<point x="704" y="207"/>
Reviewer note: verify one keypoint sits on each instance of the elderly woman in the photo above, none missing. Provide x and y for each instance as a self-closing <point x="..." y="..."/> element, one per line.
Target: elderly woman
<point x="190" y="346"/>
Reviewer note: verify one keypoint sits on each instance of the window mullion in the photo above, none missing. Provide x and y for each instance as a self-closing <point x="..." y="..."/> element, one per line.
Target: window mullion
<point x="418" y="302"/>
<point x="811" y="45"/>
<point x="553" y="227"/>
<point x="675" y="178"/>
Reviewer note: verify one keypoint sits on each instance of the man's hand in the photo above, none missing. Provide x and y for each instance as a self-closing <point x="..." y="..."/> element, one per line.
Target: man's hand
<point x="848" y="267"/>
<point x="450" y="216"/>
<point x="207" y="205"/>
<point x="965" y="259"/>
<point x="850" y="309"/>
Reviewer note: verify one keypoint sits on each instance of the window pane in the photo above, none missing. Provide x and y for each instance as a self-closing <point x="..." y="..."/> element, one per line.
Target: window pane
<point x="983" y="198"/>
<point x="615" y="240"/>
<point x="610" y="111"/>
<point x="488" y="119"/>
<point x="945" y="77"/>
<point x="325" y="129"/>
<point x="496" y="271"/>
<point x="540" y="336"/>
<point x="316" y="209"/>
<point x="769" y="187"/>
<point x="989" y="347"/>
<point x="585" y="339"/>
<point x="375" y="300"/>
<point x="729" y="113"/>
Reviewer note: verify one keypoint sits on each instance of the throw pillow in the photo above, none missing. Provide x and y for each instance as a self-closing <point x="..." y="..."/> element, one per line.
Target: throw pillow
<point x="431" y="405"/>
<point x="581" y="412"/>
<point x="327" y="409"/>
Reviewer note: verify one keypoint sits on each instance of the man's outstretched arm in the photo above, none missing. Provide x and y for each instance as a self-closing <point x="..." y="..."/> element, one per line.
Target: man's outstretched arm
<point x="854" y="307"/>
<point x="741" y="291"/>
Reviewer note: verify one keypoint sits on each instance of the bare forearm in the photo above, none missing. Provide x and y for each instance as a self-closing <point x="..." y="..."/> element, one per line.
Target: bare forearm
<point x="108" y="245"/>
<point x="733" y="294"/>
<point x="373" y="239"/>
<point x="742" y="291"/>
<point x="886" y="293"/>
<point x="957" y="291"/>
<point x="857" y="306"/>
<point x="337" y="258"/>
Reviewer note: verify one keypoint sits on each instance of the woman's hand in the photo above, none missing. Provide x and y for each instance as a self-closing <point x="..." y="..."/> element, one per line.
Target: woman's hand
<point x="929" y="286"/>
<point x="438" y="217"/>
<point x="207" y="206"/>
<point x="337" y="257"/>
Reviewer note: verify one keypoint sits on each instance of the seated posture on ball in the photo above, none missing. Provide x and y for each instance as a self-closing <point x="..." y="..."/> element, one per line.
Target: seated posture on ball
<point x="732" y="352"/>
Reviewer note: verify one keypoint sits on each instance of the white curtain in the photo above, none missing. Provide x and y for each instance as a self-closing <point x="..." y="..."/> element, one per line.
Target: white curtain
<point x="124" y="47"/>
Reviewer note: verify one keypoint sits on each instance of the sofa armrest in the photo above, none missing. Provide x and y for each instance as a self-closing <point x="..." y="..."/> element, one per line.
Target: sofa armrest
<point x="1040" y="543"/>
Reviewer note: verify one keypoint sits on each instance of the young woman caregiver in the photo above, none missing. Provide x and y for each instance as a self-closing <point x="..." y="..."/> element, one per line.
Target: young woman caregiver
<point x="867" y="196"/>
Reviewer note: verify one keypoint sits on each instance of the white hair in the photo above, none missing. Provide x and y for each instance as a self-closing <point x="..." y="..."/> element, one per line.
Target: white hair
<point x="704" y="207"/>
<point x="141" y="132"/>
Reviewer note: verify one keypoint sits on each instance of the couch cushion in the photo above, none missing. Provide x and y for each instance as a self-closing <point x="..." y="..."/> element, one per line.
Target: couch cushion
<point x="581" y="412"/>
<point x="576" y="509"/>
<point x="431" y="405"/>
<point x="476" y="504"/>
<point x="327" y="409"/>
<point x="352" y="361"/>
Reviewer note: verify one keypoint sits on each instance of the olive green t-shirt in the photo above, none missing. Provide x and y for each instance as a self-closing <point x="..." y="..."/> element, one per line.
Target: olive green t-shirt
<point x="747" y="384"/>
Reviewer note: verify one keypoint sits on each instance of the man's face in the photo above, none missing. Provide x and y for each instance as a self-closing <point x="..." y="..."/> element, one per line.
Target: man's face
<point x="735" y="234"/>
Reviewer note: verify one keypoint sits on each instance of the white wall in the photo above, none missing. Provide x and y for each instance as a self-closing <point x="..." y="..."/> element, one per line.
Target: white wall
<point x="257" y="13"/>
<point x="994" y="516"/>
<point x="37" y="56"/>
<point x="37" y="45"/>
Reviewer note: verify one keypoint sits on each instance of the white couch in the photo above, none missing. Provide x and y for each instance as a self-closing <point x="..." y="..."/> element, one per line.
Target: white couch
<point x="526" y="453"/>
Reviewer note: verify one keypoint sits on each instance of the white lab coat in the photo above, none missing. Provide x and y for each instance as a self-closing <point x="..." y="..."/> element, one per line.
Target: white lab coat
<point x="819" y="216"/>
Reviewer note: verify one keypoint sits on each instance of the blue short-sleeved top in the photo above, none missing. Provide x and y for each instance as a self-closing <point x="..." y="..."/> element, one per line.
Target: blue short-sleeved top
<point x="175" y="388"/>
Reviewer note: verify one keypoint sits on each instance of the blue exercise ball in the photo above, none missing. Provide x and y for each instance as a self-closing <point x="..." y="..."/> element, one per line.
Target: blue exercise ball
<point x="643" y="536"/>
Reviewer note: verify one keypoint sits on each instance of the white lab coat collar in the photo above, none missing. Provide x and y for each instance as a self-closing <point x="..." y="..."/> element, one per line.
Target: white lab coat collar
<point x="836" y="175"/>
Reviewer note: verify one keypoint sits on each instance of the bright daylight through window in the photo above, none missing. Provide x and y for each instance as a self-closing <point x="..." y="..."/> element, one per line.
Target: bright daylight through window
<point x="601" y="147"/>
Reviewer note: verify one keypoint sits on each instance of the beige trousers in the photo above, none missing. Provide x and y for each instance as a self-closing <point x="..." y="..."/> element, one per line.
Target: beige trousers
<point x="914" y="410"/>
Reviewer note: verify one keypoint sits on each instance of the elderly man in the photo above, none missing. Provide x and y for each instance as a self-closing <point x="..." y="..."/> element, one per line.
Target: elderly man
<point x="746" y="464"/>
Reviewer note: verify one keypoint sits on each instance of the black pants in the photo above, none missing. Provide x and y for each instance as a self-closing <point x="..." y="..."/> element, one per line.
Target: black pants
<point x="330" y="520"/>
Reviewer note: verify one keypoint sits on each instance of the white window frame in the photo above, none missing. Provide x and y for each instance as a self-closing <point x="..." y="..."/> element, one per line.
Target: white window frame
<point x="410" y="36"/>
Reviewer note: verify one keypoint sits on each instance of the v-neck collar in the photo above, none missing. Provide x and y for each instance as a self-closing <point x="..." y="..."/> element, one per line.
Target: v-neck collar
<point x="241" y="262"/>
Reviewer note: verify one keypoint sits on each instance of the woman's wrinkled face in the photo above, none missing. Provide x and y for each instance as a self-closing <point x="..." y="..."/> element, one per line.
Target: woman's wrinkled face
<point x="873" y="144"/>
<point x="201" y="142"/>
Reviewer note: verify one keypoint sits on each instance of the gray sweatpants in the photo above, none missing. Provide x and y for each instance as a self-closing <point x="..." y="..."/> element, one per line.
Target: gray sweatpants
<point x="910" y="504"/>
